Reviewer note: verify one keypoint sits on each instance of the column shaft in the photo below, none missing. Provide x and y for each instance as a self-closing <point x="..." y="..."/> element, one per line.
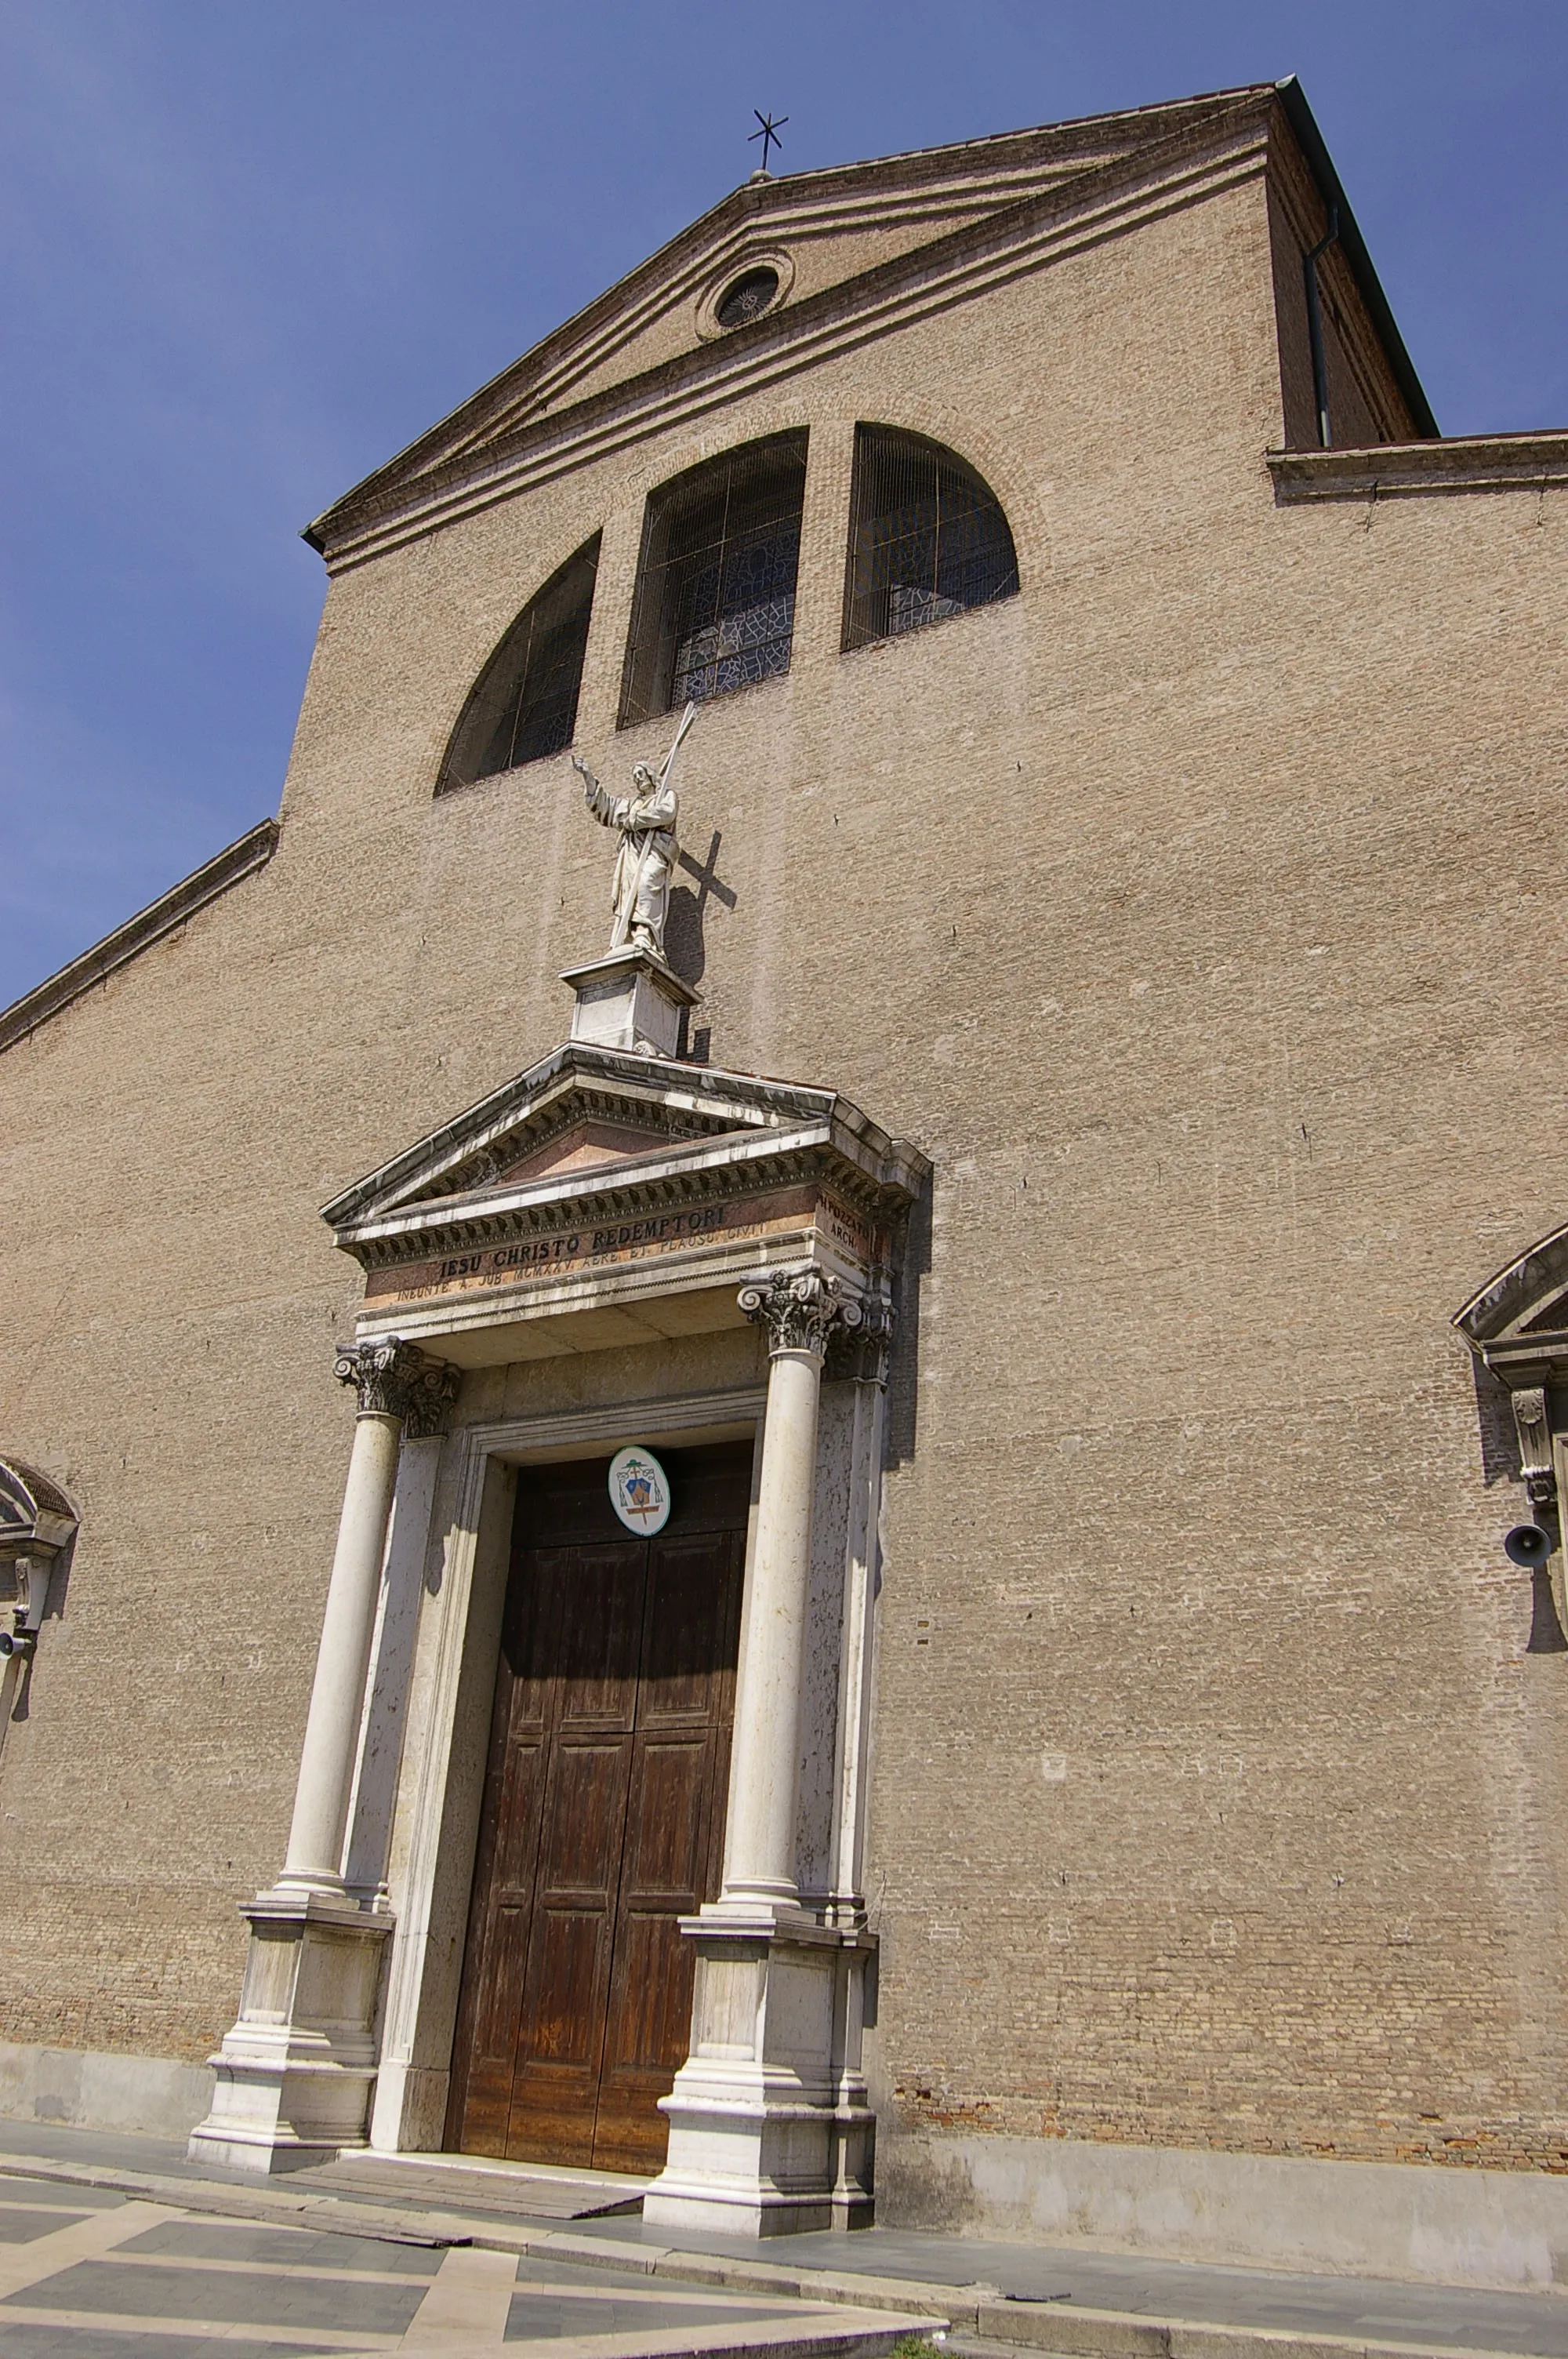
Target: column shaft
<point x="760" y="1843"/>
<point x="332" y="1727"/>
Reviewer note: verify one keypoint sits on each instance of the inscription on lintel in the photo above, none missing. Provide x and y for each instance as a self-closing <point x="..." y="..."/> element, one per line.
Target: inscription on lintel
<point x="611" y="1242"/>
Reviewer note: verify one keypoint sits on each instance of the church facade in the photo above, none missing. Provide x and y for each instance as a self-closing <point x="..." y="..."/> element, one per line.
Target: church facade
<point x="804" y="1493"/>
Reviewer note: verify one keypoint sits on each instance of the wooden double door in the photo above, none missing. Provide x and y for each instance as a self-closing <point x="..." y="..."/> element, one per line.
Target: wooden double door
<point x="603" y="1814"/>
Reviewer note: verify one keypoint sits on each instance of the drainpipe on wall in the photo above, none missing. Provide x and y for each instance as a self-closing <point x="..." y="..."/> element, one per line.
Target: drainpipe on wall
<point x="1314" y="328"/>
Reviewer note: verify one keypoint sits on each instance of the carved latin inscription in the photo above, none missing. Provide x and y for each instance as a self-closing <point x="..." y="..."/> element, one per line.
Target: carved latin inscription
<point x="564" y="1250"/>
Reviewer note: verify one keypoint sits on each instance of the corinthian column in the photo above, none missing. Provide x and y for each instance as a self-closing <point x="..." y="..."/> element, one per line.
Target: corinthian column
<point x="293" y="2078"/>
<point x="395" y="1385"/>
<point x="800" y="1314"/>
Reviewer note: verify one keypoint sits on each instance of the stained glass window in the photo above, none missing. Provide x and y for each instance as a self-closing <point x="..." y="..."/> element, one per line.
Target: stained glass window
<point x="523" y="706"/>
<point x="927" y="537"/>
<point x="715" y="604"/>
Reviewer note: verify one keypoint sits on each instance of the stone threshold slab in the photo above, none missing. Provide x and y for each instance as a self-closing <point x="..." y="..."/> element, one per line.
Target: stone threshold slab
<point x="970" y="2313"/>
<point x="458" y="2182"/>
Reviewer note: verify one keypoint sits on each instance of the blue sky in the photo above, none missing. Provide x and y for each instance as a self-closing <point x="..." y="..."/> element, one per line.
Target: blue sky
<point x="250" y="252"/>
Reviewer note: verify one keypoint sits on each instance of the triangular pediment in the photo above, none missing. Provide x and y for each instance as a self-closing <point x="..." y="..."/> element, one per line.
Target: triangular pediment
<point x="835" y="236"/>
<point x="1520" y="1316"/>
<point x="603" y="1179"/>
<point x="606" y="1123"/>
<point x="589" y="1145"/>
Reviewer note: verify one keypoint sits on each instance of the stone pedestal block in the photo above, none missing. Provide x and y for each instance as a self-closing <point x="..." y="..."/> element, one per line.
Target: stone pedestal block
<point x="294" y="2073"/>
<point x="770" y="2130"/>
<point x="630" y="999"/>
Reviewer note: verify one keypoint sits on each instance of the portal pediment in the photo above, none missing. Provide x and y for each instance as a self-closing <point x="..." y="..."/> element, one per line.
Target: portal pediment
<point x="599" y="1177"/>
<point x="33" y="1507"/>
<point x="582" y="1110"/>
<point x="1518" y="1323"/>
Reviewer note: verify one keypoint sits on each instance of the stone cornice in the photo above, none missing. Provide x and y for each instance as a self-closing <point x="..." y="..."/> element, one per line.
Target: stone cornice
<point x="602" y="1199"/>
<point x="127" y="941"/>
<point x="1467" y="462"/>
<point x="1225" y="148"/>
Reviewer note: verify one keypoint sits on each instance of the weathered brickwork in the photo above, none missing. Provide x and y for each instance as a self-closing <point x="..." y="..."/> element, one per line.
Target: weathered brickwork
<point x="1200" y="913"/>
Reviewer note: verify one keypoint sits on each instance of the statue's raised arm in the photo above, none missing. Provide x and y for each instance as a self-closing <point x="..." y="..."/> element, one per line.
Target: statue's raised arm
<point x="603" y="806"/>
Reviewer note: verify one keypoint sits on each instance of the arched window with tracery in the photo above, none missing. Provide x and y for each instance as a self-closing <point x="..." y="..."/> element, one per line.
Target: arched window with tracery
<point x="928" y="537"/>
<point x="523" y="706"/>
<point x="714" y="602"/>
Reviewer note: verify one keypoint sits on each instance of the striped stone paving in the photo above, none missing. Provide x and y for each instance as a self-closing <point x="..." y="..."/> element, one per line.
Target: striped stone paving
<point x="87" y="2274"/>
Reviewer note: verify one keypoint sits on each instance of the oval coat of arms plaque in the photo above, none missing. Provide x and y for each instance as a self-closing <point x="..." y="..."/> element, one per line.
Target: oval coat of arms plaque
<point x="640" y="1490"/>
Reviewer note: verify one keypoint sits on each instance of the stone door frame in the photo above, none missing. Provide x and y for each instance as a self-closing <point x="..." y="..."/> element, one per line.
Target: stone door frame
<point x="435" y="1822"/>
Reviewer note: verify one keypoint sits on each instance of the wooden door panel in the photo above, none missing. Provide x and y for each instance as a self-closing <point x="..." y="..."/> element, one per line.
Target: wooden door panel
<point x="600" y="1625"/>
<point x="515" y="1850"/>
<point x="654" y="2024"/>
<point x="645" y="2041"/>
<point x="585" y="1820"/>
<point x="604" y="1816"/>
<point x="565" y="2009"/>
<point x="684" y="1704"/>
<point x="686" y="1606"/>
<point x="505" y="1963"/>
<point x="556" y="2074"/>
<point x="667" y="1823"/>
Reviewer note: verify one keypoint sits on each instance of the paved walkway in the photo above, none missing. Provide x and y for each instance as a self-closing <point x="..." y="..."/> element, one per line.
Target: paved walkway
<point x="563" y="2279"/>
<point x="87" y="2273"/>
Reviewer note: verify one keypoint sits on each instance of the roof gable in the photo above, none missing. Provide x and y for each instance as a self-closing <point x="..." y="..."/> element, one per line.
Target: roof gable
<point x="849" y="236"/>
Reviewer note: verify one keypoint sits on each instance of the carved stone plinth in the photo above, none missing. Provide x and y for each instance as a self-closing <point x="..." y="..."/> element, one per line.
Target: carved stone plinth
<point x="294" y="2073"/>
<point x="770" y="2130"/>
<point x="630" y="999"/>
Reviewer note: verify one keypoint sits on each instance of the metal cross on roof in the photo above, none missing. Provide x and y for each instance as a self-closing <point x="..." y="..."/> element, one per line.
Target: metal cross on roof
<point x="769" y="133"/>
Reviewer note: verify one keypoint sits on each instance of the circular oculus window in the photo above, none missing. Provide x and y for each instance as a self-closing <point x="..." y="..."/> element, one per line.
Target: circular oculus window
<point x="748" y="297"/>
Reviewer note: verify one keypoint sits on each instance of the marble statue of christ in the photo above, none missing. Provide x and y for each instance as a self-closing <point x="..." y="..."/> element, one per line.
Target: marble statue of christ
<point x="646" y="820"/>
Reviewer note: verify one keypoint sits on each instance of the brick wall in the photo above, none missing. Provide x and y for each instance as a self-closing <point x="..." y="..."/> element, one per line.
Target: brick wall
<point x="1199" y="913"/>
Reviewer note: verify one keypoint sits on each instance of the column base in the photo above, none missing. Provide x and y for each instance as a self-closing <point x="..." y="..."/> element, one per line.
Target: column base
<point x="770" y="2131"/>
<point x="295" y="2074"/>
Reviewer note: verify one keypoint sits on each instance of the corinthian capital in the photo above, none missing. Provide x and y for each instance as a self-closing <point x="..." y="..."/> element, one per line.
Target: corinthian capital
<point x="394" y="1379"/>
<point x="862" y="1353"/>
<point x="800" y="1312"/>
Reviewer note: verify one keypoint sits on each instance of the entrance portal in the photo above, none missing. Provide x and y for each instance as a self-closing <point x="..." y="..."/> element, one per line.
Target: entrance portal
<point x="603" y="1815"/>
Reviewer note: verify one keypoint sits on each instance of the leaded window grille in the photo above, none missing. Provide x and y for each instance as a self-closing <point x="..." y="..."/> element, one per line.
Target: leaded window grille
<point x="928" y="537"/>
<point x="523" y="707"/>
<point x="747" y="297"/>
<point x="715" y="604"/>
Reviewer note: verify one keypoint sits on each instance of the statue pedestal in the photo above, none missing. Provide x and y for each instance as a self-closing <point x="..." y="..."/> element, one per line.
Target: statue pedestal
<point x="630" y="999"/>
